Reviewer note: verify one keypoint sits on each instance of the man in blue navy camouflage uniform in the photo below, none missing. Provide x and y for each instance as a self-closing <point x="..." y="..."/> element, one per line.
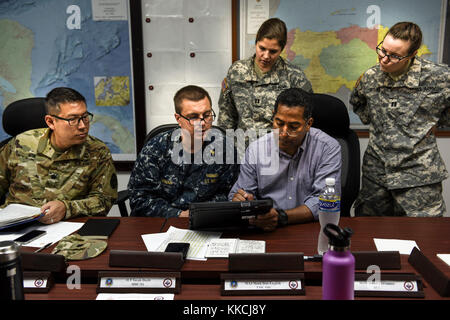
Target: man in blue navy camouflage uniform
<point x="183" y="165"/>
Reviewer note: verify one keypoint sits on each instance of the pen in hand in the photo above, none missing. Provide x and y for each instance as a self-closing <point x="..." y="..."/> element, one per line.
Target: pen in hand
<point x="44" y="247"/>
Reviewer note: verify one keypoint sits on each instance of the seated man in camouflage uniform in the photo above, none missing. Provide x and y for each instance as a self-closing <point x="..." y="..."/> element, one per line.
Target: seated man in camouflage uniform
<point x="183" y="165"/>
<point x="402" y="99"/>
<point x="61" y="169"/>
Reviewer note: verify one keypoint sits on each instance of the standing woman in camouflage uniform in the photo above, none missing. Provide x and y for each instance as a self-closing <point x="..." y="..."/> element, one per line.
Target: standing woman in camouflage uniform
<point x="252" y="85"/>
<point x="61" y="169"/>
<point x="402" y="99"/>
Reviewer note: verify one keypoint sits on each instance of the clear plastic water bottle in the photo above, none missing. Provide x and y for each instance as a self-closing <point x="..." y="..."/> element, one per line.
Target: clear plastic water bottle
<point x="338" y="265"/>
<point x="329" y="212"/>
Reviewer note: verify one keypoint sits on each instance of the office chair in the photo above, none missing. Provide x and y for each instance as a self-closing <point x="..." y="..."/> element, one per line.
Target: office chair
<point x="331" y="116"/>
<point x="23" y="115"/>
<point x="20" y="116"/>
<point x="123" y="194"/>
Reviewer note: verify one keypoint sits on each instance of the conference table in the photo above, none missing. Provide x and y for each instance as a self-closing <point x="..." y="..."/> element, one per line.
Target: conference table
<point x="200" y="280"/>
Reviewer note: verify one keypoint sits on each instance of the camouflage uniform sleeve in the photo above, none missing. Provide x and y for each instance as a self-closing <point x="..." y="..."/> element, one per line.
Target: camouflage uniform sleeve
<point x="228" y="115"/>
<point x="143" y="187"/>
<point x="445" y="118"/>
<point x="296" y="76"/>
<point x="359" y="102"/>
<point x="103" y="190"/>
<point x="302" y="82"/>
<point x="5" y="152"/>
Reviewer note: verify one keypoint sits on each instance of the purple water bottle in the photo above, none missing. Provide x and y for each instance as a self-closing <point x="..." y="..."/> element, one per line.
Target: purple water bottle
<point x="338" y="265"/>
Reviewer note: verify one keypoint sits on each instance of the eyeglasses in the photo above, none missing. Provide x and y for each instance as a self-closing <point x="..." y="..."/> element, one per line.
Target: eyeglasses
<point x="86" y="118"/>
<point x="208" y="117"/>
<point x="391" y="57"/>
<point x="291" y="133"/>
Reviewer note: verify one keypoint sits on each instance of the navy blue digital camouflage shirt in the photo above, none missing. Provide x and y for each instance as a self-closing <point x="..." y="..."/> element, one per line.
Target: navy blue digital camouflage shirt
<point x="165" y="179"/>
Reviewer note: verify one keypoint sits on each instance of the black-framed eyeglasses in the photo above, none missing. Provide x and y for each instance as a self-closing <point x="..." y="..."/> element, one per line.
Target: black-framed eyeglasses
<point x="391" y="57"/>
<point x="208" y="117"/>
<point x="86" y="118"/>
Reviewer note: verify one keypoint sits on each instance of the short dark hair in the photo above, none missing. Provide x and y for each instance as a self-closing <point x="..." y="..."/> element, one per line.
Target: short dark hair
<point x="407" y="31"/>
<point x="296" y="97"/>
<point x="61" y="95"/>
<point x="273" y="28"/>
<point x="192" y="93"/>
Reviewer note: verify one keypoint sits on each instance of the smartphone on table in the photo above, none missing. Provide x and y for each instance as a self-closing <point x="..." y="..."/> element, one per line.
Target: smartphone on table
<point x="30" y="236"/>
<point x="182" y="247"/>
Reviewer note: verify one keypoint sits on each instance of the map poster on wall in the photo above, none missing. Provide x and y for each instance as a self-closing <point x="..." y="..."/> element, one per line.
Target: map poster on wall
<point x="334" y="41"/>
<point x="58" y="43"/>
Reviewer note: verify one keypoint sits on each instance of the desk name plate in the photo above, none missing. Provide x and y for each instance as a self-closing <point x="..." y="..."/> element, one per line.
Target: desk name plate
<point x="37" y="281"/>
<point x="237" y="284"/>
<point x="389" y="285"/>
<point x="138" y="282"/>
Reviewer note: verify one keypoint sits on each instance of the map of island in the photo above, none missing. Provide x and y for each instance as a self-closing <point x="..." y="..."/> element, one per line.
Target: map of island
<point x="70" y="49"/>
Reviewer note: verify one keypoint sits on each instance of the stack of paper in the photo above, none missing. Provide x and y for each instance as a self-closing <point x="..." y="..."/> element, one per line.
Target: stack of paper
<point x="198" y="241"/>
<point x="402" y="246"/>
<point x="221" y="248"/>
<point x="17" y="213"/>
<point x="55" y="232"/>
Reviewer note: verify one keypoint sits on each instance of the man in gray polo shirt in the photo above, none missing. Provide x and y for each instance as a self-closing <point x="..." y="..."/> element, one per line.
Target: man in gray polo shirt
<point x="289" y="165"/>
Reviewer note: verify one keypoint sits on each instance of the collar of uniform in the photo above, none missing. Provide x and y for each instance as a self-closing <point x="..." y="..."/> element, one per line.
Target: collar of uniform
<point x="268" y="77"/>
<point x="413" y="74"/>
<point x="250" y="74"/>
<point x="410" y="79"/>
<point x="175" y="137"/>
<point x="46" y="148"/>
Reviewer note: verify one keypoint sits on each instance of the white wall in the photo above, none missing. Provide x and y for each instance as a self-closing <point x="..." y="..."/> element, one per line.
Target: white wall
<point x="443" y="143"/>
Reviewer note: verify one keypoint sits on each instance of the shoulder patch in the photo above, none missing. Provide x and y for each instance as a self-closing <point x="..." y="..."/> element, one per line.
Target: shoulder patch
<point x="359" y="79"/>
<point x="224" y="84"/>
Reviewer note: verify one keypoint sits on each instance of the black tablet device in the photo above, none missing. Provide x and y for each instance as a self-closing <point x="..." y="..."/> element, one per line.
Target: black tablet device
<point x="99" y="227"/>
<point x="225" y="215"/>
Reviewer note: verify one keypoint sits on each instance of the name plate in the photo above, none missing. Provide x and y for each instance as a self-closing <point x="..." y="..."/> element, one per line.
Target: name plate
<point x="138" y="282"/>
<point x="37" y="282"/>
<point x="235" y="284"/>
<point x="389" y="285"/>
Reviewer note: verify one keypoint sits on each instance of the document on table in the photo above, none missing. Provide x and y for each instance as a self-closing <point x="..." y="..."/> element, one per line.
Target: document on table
<point x="221" y="248"/>
<point x="444" y="257"/>
<point x="17" y="213"/>
<point x="198" y="241"/>
<point x="402" y="246"/>
<point x="55" y="232"/>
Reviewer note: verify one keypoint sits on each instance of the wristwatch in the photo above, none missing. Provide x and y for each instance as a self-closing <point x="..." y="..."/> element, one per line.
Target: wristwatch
<point x="282" y="218"/>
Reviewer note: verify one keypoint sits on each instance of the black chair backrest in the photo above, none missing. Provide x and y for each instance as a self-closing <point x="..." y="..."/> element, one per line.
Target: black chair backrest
<point x="23" y="115"/>
<point x="157" y="130"/>
<point x="331" y="116"/>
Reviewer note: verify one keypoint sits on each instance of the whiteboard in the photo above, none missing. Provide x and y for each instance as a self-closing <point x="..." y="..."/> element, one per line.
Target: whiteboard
<point x="186" y="42"/>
